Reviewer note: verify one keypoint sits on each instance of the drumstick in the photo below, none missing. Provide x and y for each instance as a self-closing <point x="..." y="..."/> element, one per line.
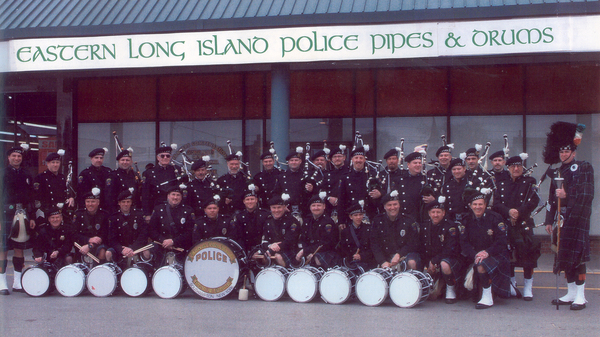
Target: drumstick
<point x="142" y="249"/>
<point x="313" y="254"/>
<point x="174" y="248"/>
<point x="78" y="246"/>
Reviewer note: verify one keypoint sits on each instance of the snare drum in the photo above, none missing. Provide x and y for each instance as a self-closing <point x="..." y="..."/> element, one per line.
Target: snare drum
<point x="103" y="280"/>
<point x="213" y="267"/>
<point x="302" y="284"/>
<point x="167" y="281"/>
<point x="372" y="286"/>
<point x="410" y="288"/>
<point x="270" y="283"/>
<point x="70" y="280"/>
<point x="337" y="285"/>
<point x="136" y="281"/>
<point x="38" y="280"/>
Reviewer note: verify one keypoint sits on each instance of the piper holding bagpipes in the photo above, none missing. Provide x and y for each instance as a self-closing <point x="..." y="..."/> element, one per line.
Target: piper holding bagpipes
<point x="290" y="182"/>
<point x="571" y="208"/>
<point x="413" y="187"/>
<point x="93" y="176"/>
<point x="332" y="179"/>
<point x="441" y="172"/>
<point x="392" y="173"/>
<point x="17" y="224"/>
<point x="121" y="179"/>
<point x="233" y="183"/>
<point x="50" y="187"/>
<point x="266" y="179"/>
<point x="498" y="160"/>
<point x="201" y="188"/>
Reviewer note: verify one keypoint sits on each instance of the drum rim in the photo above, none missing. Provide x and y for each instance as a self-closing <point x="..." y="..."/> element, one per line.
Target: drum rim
<point x="170" y="268"/>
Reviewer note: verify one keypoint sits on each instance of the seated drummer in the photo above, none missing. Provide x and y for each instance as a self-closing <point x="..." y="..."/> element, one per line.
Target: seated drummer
<point x="127" y="231"/>
<point x="250" y="221"/>
<point x="53" y="244"/>
<point x="280" y="231"/>
<point x="319" y="236"/>
<point x="355" y="242"/>
<point x="90" y="226"/>
<point x="440" y="246"/>
<point x="212" y="223"/>
<point x="395" y="237"/>
<point x="171" y="225"/>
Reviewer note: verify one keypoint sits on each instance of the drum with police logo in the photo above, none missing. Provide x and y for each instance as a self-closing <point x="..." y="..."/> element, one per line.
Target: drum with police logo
<point x="213" y="267"/>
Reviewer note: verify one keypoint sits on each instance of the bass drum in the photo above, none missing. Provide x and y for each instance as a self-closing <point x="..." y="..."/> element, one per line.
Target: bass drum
<point x="213" y="267"/>
<point x="410" y="288"/>
<point x="70" y="280"/>
<point x="38" y="280"/>
<point x="167" y="281"/>
<point x="337" y="285"/>
<point x="103" y="280"/>
<point x="270" y="283"/>
<point x="137" y="280"/>
<point x="303" y="283"/>
<point x="372" y="286"/>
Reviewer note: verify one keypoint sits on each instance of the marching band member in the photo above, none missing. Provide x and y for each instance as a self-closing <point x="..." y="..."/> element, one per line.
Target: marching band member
<point x="319" y="235"/>
<point x="53" y="243"/>
<point x="395" y="236"/>
<point x="483" y="243"/>
<point x="250" y="221"/>
<point x="121" y="179"/>
<point x="515" y="199"/>
<point x="201" y="188"/>
<point x="280" y="231"/>
<point x="266" y="180"/>
<point x="576" y="196"/>
<point x="332" y="179"/>
<point x="93" y="176"/>
<point x="212" y="223"/>
<point x="392" y="172"/>
<point x="50" y="187"/>
<point x="235" y="183"/>
<point x="17" y="195"/>
<point x="498" y="170"/>
<point x="476" y="174"/>
<point x="355" y="242"/>
<point x="127" y="230"/>
<point x="440" y="246"/>
<point x="441" y="173"/>
<point x="317" y="174"/>
<point x="290" y="183"/>
<point x="160" y="179"/>
<point x="453" y="190"/>
<point x="172" y="223"/>
<point x="410" y="186"/>
<point x="90" y="226"/>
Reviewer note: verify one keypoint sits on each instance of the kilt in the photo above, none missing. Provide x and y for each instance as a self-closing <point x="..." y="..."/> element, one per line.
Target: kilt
<point x="327" y="259"/>
<point x="455" y="266"/>
<point x="497" y="267"/>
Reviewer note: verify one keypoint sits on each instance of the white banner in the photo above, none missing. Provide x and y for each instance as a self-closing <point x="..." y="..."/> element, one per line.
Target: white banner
<point x="306" y="44"/>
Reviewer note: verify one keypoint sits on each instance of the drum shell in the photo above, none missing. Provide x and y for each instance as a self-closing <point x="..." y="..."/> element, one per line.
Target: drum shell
<point x="410" y="288"/>
<point x="38" y="280"/>
<point x="103" y="280"/>
<point x="131" y="278"/>
<point x="270" y="283"/>
<point x="302" y="284"/>
<point x="70" y="280"/>
<point x="213" y="268"/>
<point x="372" y="287"/>
<point x="337" y="285"/>
<point x="168" y="281"/>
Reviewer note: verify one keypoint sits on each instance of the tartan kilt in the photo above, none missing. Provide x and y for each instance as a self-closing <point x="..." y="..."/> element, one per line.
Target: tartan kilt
<point x="455" y="266"/>
<point x="574" y="247"/>
<point x="498" y="268"/>
<point x="328" y="259"/>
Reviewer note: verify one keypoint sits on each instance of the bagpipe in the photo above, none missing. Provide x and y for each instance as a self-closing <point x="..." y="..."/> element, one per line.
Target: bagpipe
<point x="120" y="148"/>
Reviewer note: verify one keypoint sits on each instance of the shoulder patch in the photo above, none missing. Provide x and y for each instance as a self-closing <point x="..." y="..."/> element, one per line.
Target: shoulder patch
<point x="36" y="186"/>
<point x="108" y="181"/>
<point x="452" y="231"/>
<point x="294" y="227"/>
<point x="80" y="179"/>
<point x="328" y="228"/>
<point x="502" y="227"/>
<point x="461" y="228"/>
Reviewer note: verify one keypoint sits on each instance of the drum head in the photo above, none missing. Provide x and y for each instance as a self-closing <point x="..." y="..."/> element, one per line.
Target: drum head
<point x="134" y="282"/>
<point x="335" y="287"/>
<point x="371" y="289"/>
<point x="212" y="269"/>
<point x="102" y="281"/>
<point x="35" y="281"/>
<point x="70" y="280"/>
<point x="405" y="290"/>
<point x="301" y="285"/>
<point x="167" y="282"/>
<point x="270" y="284"/>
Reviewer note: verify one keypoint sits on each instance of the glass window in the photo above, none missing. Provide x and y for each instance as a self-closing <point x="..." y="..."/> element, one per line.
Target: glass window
<point x="254" y="143"/>
<point x="204" y="138"/>
<point x="139" y="136"/>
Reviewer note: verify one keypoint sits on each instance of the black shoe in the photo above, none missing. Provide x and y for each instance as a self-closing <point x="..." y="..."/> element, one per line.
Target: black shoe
<point x="482" y="306"/>
<point x="528" y="298"/>
<point x="450" y="300"/>
<point x="577" y="306"/>
<point x="18" y="290"/>
<point x="518" y="295"/>
<point x="4" y="292"/>
<point x="561" y="302"/>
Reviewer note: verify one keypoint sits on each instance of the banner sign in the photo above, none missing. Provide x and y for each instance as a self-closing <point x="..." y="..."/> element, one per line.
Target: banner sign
<point x="305" y="44"/>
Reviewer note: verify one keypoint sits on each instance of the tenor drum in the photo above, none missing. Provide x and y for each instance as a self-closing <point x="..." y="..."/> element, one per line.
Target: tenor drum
<point x="103" y="280"/>
<point x="372" y="286"/>
<point x="70" y="280"/>
<point x="38" y="280"/>
<point x="167" y="281"/>
<point x="270" y="283"/>
<point x="337" y="285"/>
<point x="213" y="267"/>
<point x="410" y="288"/>
<point x="303" y="283"/>
<point x="136" y="281"/>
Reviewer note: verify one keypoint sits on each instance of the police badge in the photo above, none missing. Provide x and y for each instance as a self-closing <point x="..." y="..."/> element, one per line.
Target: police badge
<point x="182" y="221"/>
<point x="97" y="226"/>
<point x="283" y="231"/>
<point x="135" y="226"/>
<point x="62" y="238"/>
<point x="402" y="233"/>
<point x="490" y="232"/>
<point x="442" y="238"/>
<point x="224" y="231"/>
